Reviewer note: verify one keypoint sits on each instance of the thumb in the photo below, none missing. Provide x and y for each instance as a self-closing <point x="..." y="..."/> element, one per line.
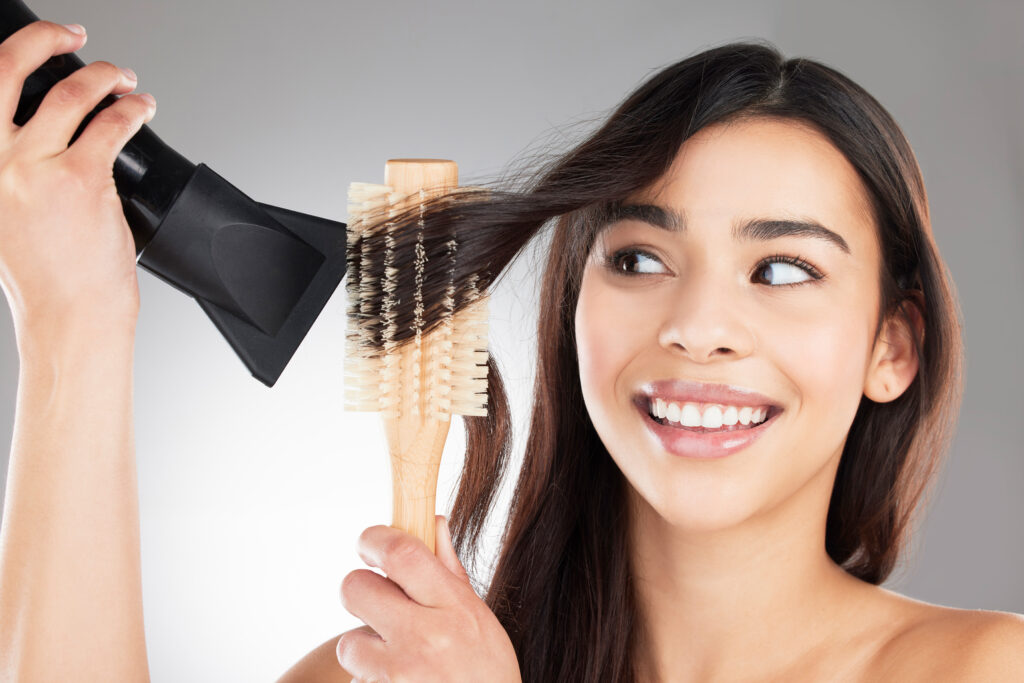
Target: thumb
<point x="445" y="550"/>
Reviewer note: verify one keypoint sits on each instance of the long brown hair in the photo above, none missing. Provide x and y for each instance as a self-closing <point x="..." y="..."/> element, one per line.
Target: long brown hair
<point x="561" y="585"/>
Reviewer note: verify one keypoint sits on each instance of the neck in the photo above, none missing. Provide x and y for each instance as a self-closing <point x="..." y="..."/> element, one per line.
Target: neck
<point x="742" y="601"/>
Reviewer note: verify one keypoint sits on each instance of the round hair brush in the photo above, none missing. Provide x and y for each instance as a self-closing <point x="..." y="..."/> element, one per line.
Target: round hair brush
<point x="417" y="379"/>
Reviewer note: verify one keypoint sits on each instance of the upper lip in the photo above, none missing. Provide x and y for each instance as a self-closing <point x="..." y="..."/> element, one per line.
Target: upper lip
<point x="684" y="391"/>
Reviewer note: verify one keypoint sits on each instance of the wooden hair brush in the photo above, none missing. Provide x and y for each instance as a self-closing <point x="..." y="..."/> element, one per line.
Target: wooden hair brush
<point x="417" y="380"/>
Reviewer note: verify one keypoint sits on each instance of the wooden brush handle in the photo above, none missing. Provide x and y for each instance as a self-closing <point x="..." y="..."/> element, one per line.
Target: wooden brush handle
<point x="415" y="442"/>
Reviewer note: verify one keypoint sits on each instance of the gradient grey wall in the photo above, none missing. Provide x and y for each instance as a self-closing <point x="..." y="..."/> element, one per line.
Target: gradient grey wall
<point x="252" y="498"/>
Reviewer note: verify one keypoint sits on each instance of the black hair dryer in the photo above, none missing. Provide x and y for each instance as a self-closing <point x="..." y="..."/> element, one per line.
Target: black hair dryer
<point x="261" y="273"/>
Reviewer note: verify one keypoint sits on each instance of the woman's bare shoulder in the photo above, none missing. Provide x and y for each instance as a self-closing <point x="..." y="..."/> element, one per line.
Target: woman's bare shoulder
<point x="934" y="642"/>
<point x="319" y="666"/>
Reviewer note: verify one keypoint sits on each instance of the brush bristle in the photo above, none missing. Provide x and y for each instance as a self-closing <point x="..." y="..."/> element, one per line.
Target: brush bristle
<point x="451" y="360"/>
<point x="366" y="202"/>
<point x="469" y="357"/>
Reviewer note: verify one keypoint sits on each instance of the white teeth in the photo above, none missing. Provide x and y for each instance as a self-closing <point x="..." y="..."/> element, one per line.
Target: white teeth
<point x="744" y="416"/>
<point x="729" y="417"/>
<point x="713" y="417"/>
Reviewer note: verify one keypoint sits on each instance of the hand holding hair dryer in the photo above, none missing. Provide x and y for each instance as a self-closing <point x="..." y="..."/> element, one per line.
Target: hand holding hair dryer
<point x="261" y="273"/>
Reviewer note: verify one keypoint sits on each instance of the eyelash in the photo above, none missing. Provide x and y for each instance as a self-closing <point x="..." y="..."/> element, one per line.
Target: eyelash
<point x="611" y="262"/>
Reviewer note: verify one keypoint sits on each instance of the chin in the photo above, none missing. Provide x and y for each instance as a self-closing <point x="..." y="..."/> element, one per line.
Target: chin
<point x="691" y="520"/>
<point x="689" y="505"/>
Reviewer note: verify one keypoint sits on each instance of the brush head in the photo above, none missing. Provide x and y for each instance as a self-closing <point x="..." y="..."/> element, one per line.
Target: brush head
<point x="434" y="365"/>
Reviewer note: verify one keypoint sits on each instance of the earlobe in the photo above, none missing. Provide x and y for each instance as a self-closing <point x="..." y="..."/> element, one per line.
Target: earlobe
<point x="895" y="361"/>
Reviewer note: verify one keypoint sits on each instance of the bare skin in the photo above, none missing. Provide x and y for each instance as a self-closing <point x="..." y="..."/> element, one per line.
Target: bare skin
<point x="70" y="584"/>
<point x="70" y="574"/>
<point x="70" y="580"/>
<point x="733" y="579"/>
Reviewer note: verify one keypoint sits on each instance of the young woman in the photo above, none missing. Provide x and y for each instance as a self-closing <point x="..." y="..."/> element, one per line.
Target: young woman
<point x="750" y="364"/>
<point x="743" y="246"/>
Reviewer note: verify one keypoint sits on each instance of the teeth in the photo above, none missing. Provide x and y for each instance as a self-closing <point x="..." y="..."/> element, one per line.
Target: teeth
<point x="713" y="417"/>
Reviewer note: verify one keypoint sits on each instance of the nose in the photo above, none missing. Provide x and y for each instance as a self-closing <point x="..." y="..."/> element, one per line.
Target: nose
<point x="705" y="320"/>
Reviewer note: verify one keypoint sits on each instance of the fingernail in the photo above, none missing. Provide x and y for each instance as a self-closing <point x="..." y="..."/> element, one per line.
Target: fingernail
<point x="75" y="28"/>
<point x="149" y="98"/>
<point x="129" y="73"/>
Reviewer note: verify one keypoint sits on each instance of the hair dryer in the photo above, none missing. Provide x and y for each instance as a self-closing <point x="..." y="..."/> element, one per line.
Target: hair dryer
<point x="261" y="273"/>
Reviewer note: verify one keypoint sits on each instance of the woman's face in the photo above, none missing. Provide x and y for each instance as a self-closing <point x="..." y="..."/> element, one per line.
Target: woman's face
<point x="700" y="304"/>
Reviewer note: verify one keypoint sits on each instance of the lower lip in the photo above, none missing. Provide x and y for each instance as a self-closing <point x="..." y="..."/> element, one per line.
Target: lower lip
<point x="687" y="444"/>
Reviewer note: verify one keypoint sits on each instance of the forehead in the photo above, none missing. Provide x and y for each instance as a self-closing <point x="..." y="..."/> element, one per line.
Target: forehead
<point x="765" y="167"/>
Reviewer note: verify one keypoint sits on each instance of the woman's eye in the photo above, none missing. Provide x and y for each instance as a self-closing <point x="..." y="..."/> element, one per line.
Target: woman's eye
<point x="779" y="271"/>
<point x="634" y="261"/>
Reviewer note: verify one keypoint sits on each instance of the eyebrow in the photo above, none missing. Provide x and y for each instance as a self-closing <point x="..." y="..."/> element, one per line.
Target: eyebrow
<point x="759" y="229"/>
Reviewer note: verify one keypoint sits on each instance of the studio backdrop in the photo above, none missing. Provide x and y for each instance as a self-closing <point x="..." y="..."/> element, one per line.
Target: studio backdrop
<point x="252" y="498"/>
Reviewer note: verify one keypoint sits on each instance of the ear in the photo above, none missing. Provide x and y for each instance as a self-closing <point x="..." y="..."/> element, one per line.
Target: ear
<point x="894" y="362"/>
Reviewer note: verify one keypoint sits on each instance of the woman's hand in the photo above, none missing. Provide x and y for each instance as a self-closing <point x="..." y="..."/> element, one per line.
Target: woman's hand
<point x="67" y="256"/>
<point x="432" y="626"/>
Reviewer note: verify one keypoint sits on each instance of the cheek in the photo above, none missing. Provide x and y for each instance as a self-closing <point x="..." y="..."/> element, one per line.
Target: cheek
<point x="605" y="343"/>
<point x="826" y="359"/>
<point x="594" y="353"/>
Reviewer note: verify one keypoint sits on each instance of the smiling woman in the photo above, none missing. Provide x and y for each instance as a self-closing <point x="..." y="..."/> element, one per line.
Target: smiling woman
<point x="749" y="368"/>
<point x="744" y="293"/>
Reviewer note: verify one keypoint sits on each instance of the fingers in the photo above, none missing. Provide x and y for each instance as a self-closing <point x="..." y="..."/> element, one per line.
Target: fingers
<point x="111" y="129"/>
<point x="409" y="563"/>
<point x="362" y="654"/>
<point x="23" y="52"/>
<point x="446" y="550"/>
<point x="68" y="102"/>
<point x="376" y="600"/>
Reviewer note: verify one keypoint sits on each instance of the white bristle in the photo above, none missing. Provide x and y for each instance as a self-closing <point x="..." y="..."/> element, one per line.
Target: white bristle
<point x="453" y="357"/>
<point x="362" y="369"/>
<point x="469" y="356"/>
<point x="391" y="373"/>
<point x="441" y="373"/>
<point x="417" y="323"/>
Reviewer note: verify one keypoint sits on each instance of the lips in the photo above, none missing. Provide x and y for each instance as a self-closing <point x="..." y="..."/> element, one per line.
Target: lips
<point x="684" y="391"/>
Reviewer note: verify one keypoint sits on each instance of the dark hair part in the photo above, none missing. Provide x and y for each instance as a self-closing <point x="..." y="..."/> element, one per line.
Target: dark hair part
<point x="562" y="586"/>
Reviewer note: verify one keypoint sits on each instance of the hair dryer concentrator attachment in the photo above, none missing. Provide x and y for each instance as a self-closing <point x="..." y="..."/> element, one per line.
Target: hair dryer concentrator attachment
<point x="263" y="274"/>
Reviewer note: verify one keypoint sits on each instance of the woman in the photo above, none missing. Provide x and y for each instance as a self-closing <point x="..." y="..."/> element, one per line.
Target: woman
<point x="746" y="238"/>
<point x="739" y="220"/>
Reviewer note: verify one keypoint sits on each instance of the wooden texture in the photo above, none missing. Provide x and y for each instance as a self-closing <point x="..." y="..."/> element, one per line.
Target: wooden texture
<point x="415" y="441"/>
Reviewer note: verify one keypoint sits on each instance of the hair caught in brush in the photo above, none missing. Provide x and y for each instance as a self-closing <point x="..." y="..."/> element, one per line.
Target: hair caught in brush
<point x="561" y="585"/>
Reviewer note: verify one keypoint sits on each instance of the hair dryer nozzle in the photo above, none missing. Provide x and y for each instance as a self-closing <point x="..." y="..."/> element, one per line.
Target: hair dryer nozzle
<point x="261" y="273"/>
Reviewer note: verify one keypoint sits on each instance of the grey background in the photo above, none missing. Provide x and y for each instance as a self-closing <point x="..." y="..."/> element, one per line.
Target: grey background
<point x="252" y="498"/>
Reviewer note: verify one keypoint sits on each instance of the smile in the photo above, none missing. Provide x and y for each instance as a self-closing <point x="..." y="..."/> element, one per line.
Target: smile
<point x="682" y="438"/>
<point x="706" y="416"/>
